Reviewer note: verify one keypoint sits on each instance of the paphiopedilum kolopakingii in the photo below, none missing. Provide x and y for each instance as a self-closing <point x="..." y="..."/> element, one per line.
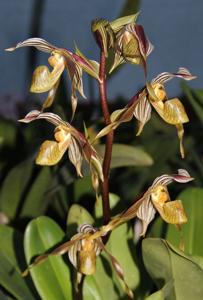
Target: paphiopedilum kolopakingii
<point x="154" y="95"/>
<point x="127" y="38"/>
<point x="83" y="249"/>
<point x="45" y="80"/>
<point x="67" y="138"/>
<point x="157" y="198"/>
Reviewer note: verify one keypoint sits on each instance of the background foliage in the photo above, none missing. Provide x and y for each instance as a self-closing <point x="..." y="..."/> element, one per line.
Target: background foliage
<point x="154" y="268"/>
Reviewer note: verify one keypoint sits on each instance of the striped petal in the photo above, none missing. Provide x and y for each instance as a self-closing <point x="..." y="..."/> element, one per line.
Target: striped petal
<point x="75" y="155"/>
<point x="182" y="73"/>
<point x="83" y="252"/>
<point x="146" y="213"/>
<point x="142" y="113"/>
<point x="182" y="177"/>
<point x="38" y="43"/>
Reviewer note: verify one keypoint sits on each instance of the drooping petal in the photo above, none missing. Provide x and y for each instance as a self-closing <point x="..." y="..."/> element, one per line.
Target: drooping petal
<point x="75" y="155"/>
<point x="38" y="43"/>
<point x="182" y="73"/>
<point x="146" y="213"/>
<point x="43" y="80"/>
<point x="142" y="113"/>
<point x="117" y="268"/>
<point x="51" y="95"/>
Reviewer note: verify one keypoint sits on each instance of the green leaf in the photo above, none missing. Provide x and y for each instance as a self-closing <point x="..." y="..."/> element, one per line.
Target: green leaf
<point x="12" y="262"/>
<point x="8" y="133"/>
<point x="14" y="186"/>
<point x="83" y="186"/>
<point x="91" y="289"/>
<point x="192" y="230"/>
<point x="52" y="277"/>
<point x="165" y="262"/>
<point x="125" y="155"/>
<point x="36" y="201"/>
<point x="125" y="253"/>
<point x="198" y="108"/>
<point x="104" y="284"/>
<point x="77" y="215"/>
<point x="163" y="293"/>
<point x="101" y="284"/>
<point x="113" y="201"/>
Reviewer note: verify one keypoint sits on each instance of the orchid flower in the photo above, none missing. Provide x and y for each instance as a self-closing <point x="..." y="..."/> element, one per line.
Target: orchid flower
<point x="127" y="38"/>
<point x="66" y="138"/>
<point x="45" y="80"/>
<point x="157" y="198"/>
<point x="131" y="45"/>
<point x="83" y="249"/>
<point x="153" y="95"/>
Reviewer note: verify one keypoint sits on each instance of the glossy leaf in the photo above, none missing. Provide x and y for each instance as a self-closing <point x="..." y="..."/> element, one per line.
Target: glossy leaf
<point x="197" y="105"/>
<point x="52" y="277"/>
<point x="36" y="201"/>
<point x="125" y="155"/>
<point x="165" y="262"/>
<point x="12" y="264"/>
<point x="113" y="201"/>
<point x="125" y="254"/>
<point x="192" y="230"/>
<point x="13" y="188"/>
<point x="77" y="215"/>
<point x="163" y="293"/>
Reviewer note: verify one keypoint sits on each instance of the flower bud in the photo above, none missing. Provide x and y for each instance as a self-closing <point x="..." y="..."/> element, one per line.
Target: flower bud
<point x="103" y="34"/>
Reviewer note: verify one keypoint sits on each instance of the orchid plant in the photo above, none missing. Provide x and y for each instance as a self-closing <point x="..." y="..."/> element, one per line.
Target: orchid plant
<point x="130" y="44"/>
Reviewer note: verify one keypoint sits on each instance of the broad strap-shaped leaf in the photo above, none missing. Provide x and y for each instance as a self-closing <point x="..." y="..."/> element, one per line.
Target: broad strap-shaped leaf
<point x="126" y="155"/>
<point x="51" y="95"/>
<point x="12" y="263"/>
<point x="52" y="278"/>
<point x="165" y="263"/>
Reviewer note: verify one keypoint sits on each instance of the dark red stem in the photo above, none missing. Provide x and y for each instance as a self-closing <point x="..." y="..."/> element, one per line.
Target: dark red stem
<point x="109" y="140"/>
